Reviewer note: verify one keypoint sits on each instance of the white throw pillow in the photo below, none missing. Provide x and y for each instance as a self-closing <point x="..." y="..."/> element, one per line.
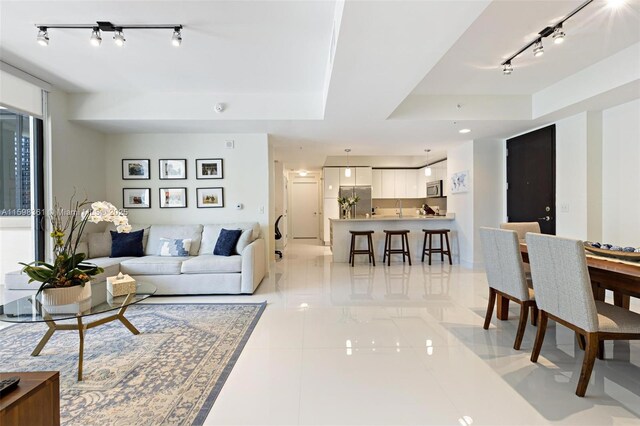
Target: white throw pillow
<point x="174" y="247"/>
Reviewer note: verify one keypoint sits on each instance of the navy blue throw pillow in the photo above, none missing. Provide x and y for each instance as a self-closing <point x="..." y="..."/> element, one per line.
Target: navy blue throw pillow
<point x="227" y="240"/>
<point x="127" y="244"/>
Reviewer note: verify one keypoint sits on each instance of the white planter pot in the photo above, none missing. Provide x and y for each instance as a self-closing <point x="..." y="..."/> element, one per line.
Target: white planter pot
<point x="67" y="300"/>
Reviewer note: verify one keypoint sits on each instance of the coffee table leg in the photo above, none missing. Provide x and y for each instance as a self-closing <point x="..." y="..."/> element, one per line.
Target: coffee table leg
<point x="81" y="330"/>
<point x="45" y="338"/>
<point x="123" y="320"/>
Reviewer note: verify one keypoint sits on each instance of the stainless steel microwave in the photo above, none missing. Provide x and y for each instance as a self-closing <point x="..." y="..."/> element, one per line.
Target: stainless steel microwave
<point x="434" y="189"/>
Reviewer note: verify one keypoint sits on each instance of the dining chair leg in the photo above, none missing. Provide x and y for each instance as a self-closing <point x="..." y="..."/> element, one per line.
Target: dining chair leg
<point x="587" y="363"/>
<point x="430" y="246"/>
<point x="581" y="341"/>
<point x="441" y="248"/>
<point x="534" y="315"/>
<point x="384" y="253"/>
<point x="372" y="255"/>
<point x="404" y="250"/>
<point x="424" y="246"/>
<point x="351" y="255"/>
<point x="601" y="349"/>
<point x="490" y="305"/>
<point x="542" y="328"/>
<point x="446" y="237"/>
<point x="406" y="239"/>
<point x="522" y="325"/>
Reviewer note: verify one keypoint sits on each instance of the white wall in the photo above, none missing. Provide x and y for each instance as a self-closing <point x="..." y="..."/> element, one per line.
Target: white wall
<point x="489" y="188"/>
<point x="620" y="178"/>
<point x="571" y="177"/>
<point x="460" y="158"/>
<point x="246" y="171"/>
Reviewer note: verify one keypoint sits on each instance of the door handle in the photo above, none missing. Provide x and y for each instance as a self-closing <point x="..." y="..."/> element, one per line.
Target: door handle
<point x="546" y="218"/>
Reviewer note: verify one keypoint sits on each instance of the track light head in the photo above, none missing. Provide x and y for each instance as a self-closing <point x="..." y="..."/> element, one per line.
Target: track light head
<point x="538" y="50"/>
<point x="507" y="68"/>
<point x="96" y="38"/>
<point x="118" y="37"/>
<point x="43" y="36"/>
<point x="176" y="38"/>
<point x="558" y="35"/>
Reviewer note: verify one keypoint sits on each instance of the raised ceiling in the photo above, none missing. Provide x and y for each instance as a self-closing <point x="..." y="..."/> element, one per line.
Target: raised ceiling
<point x="393" y="86"/>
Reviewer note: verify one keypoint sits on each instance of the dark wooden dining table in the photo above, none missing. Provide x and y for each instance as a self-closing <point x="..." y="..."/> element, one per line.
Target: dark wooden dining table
<point x="623" y="279"/>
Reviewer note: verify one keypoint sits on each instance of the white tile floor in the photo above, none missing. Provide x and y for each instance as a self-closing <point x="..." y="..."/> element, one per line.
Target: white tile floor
<point x="405" y="345"/>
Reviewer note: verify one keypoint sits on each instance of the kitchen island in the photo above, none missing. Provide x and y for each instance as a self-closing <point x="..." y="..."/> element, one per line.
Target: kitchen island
<point x="341" y="238"/>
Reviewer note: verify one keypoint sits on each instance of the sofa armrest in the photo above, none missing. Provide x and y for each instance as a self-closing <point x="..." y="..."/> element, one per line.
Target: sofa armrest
<point x="253" y="266"/>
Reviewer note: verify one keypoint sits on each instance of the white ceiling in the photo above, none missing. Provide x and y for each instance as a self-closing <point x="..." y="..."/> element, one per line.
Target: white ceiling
<point x="276" y="54"/>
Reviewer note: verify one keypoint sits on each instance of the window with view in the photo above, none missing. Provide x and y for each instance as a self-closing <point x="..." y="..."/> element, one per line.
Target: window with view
<point x="15" y="161"/>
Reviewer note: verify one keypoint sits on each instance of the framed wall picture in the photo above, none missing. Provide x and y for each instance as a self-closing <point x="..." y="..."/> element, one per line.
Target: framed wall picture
<point x="173" y="198"/>
<point x="210" y="197"/>
<point x="173" y="169"/>
<point x="459" y="182"/>
<point x="135" y="169"/>
<point x="136" y="198"/>
<point x="209" y="168"/>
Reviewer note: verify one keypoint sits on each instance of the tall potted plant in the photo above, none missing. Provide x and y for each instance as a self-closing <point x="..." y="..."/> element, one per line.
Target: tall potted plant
<point x="67" y="279"/>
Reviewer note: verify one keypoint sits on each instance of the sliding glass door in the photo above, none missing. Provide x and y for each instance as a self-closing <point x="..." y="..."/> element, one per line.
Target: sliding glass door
<point x="21" y="185"/>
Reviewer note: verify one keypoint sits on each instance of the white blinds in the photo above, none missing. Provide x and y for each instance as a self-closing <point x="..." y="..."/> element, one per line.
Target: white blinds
<point x="20" y="95"/>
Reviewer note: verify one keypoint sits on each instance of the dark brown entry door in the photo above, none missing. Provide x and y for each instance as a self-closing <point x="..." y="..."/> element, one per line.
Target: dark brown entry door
<point x="531" y="178"/>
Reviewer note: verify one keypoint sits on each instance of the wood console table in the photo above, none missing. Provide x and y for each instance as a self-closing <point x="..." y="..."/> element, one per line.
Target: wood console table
<point x="36" y="400"/>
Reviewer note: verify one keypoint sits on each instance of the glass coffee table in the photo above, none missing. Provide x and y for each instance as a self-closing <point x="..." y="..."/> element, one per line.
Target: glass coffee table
<point x="29" y="310"/>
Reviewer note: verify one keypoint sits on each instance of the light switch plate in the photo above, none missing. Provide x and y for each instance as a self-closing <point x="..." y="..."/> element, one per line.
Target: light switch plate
<point x="229" y="144"/>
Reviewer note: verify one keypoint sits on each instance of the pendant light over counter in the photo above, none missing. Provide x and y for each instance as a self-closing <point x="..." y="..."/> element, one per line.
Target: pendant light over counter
<point x="427" y="170"/>
<point x="347" y="171"/>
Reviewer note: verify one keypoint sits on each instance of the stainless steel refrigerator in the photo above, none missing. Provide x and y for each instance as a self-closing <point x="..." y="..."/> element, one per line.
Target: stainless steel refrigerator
<point x="364" y="205"/>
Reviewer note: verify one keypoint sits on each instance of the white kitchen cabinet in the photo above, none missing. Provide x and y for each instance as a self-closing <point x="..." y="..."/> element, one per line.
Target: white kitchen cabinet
<point x="411" y="184"/>
<point x="331" y="210"/>
<point x="364" y="176"/>
<point x="376" y="183"/>
<point x="400" y="184"/>
<point x="388" y="183"/>
<point x="421" y="181"/>
<point x="331" y="182"/>
<point x="347" y="181"/>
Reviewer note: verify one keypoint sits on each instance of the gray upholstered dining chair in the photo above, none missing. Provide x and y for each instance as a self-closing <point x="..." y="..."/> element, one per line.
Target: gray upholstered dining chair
<point x="506" y="276"/>
<point x="564" y="294"/>
<point x="521" y="228"/>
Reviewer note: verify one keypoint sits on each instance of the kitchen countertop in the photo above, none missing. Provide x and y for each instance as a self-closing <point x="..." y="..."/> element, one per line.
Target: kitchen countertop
<point x="449" y="216"/>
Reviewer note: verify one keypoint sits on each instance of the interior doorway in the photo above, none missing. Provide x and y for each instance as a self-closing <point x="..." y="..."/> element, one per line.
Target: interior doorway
<point x="531" y="178"/>
<point x="304" y="210"/>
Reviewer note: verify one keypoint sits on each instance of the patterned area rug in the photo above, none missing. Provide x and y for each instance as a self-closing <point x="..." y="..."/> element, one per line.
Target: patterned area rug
<point x="171" y="373"/>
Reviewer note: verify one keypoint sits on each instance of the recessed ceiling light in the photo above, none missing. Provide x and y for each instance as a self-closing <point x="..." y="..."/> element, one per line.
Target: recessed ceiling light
<point x="463" y="131"/>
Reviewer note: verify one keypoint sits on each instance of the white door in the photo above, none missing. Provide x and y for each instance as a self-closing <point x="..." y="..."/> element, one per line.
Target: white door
<point x="304" y="210"/>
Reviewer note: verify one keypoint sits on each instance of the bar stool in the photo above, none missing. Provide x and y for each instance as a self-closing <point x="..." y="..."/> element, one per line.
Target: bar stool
<point x="404" y="251"/>
<point x="429" y="233"/>
<point x="369" y="251"/>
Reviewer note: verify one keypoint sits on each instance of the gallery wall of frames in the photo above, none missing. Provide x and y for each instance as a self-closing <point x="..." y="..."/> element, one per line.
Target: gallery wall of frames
<point x="172" y="171"/>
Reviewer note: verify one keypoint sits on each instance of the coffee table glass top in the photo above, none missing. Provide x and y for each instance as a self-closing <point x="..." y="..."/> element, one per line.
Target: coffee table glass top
<point x="29" y="308"/>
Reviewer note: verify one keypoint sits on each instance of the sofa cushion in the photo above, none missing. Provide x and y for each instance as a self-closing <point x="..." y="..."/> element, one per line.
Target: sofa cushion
<point x="153" y="265"/>
<point x="210" y="234"/>
<point x="83" y="247"/>
<point x="99" y="244"/>
<point x="245" y="239"/>
<point x="174" y="247"/>
<point x="192" y="232"/>
<point x="126" y="244"/>
<point x="211" y="264"/>
<point x="227" y="240"/>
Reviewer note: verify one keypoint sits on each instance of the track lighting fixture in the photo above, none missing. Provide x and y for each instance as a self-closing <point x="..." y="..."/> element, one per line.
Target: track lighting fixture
<point x="96" y="38"/>
<point x="538" y="49"/>
<point x="176" y="38"/>
<point x="118" y="37"/>
<point x="105" y="26"/>
<point x="555" y="31"/>
<point x="43" y="36"/>
<point x="558" y="35"/>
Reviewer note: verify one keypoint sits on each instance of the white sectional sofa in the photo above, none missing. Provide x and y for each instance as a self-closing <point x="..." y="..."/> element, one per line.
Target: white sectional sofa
<point x="201" y="272"/>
